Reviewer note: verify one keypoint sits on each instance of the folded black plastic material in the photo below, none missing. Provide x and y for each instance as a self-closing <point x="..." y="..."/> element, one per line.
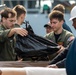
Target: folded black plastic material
<point x="34" y="45"/>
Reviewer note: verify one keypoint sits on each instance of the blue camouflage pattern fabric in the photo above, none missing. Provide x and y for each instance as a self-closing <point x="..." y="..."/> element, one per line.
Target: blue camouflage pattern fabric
<point x="71" y="59"/>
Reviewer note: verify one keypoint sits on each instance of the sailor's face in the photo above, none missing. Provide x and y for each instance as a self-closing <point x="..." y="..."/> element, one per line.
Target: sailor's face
<point x="74" y="23"/>
<point x="9" y="22"/>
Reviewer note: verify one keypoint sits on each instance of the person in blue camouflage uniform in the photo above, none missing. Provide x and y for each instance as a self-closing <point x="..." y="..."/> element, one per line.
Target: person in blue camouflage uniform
<point x="59" y="35"/>
<point x="7" y="32"/>
<point x="71" y="56"/>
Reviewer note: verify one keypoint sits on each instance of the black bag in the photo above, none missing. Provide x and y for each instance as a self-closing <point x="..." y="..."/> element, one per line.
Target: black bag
<point x="34" y="46"/>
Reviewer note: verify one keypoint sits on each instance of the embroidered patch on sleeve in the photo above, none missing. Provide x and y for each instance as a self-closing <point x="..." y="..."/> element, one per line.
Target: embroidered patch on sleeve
<point x="70" y="38"/>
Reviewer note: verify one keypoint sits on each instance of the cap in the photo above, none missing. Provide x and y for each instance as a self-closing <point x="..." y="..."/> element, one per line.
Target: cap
<point x="46" y="25"/>
<point x="73" y="13"/>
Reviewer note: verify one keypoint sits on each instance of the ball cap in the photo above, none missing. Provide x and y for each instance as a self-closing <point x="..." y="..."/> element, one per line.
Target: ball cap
<point x="73" y="13"/>
<point x="46" y="25"/>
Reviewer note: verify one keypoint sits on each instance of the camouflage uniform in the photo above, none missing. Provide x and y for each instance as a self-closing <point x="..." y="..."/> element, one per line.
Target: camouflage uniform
<point x="7" y="52"/>
<point x="64" y="39"/>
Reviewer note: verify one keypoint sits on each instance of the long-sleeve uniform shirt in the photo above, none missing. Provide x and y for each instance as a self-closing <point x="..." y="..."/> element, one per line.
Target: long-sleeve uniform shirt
<point x="64" y="39"/>
<point x="7" y="52"/>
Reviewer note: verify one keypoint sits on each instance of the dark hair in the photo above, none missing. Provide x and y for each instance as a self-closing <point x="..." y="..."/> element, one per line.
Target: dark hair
<point x="59" y="7"/>
<point x="20" y="10"/>
<point x="56" y="14"/>
<point x="5" y="13"/>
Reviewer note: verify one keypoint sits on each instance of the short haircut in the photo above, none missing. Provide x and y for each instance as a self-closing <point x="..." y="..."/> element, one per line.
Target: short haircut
<point x="56" y="15"/>
<point x="20" y="10"/>
<point x="59" y="7"/>
<point x="5" y="13"/>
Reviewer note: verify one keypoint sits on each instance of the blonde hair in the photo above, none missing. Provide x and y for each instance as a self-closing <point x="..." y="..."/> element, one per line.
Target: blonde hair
<point x="20" y="10"/>
<point x="59" y="7"/>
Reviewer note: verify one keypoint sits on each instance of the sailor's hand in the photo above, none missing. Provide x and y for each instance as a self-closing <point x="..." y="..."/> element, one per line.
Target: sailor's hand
<point x="52" y="66"/>
<point x="61" y="49"/>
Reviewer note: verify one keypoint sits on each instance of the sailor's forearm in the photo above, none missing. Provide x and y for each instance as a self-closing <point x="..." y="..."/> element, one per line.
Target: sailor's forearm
<point x="12" y="71"/>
